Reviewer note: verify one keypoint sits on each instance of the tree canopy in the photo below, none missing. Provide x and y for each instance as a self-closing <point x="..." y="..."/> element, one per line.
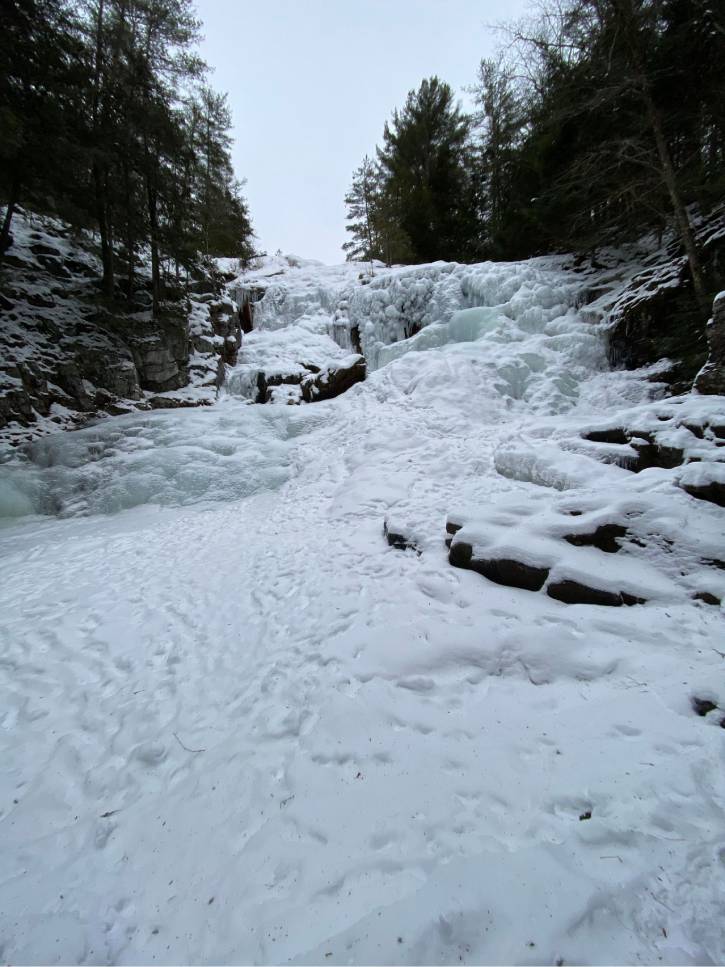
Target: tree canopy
<point x="599" y="121"/>
<point x="108" y="122"/>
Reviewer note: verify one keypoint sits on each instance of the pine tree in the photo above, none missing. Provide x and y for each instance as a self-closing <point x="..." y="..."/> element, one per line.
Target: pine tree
<point x="500" y="124"/>
<point x="362" y="200"/>
<point x="625" y="129"/>
<point x="41" y="69"/>
<point x="222" y="212"/>
<point x="105" y="123"/>
<point x="425" y="161"/>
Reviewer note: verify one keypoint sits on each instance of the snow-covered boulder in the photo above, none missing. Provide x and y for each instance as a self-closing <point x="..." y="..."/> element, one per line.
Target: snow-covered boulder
<point x="334" y="380"/>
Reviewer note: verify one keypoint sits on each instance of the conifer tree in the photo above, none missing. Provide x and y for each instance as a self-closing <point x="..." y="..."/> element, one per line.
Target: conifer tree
<point x="361" y="201"/>
<point x="41" y="72"/>
<point x="500" y="125"/>
<point x="105" y="122"/>
<point x="425" y="162"/>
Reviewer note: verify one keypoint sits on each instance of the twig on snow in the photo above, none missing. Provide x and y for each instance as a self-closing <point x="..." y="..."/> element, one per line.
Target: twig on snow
<point x="186" y="747"/>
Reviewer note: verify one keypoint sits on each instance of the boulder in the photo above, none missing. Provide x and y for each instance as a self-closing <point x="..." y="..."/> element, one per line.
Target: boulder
<point x="702" y="706"/>
<point x="605" y="537"/>
<point x="267" y="381"/>
<point x="713" y="491"/>
<point x="452" y="528"/>
<point x="707" y="598"/>
<point x="608" y="435"/>
<point x="511" y="573"/>
<point x="647" y="451"/>
<point x="334" y="380"/>
<point x="573" y="592"/>
<point x="654" y="455"/>
<point x="396" y="538"/>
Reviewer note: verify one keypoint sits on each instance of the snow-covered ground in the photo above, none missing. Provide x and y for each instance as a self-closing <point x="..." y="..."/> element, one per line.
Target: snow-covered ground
<point x="239" y="727"/>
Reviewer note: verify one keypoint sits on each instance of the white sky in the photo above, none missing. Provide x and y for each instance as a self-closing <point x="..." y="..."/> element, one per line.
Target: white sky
<point x="311" y="84"/>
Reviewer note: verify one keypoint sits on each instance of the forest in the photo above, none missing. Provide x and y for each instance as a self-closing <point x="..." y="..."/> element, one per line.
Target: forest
<point x="109" y="123"/>
<point x="599" y="121"/>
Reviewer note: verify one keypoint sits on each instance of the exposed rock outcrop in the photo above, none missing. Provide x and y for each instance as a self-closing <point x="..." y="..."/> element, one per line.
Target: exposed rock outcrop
<point x="159" y="348"/>
<point x="575" y="592"/>
<point x="707" y="485"/>
<point x="334" y="380"/>
<point x="310" y="383"/>
<point x="711" y="378"/>
<point x="65" y="353"/>
<point x="605" y="537"/>
<point x="500" y="570"/>
<point x="657" y="317"/>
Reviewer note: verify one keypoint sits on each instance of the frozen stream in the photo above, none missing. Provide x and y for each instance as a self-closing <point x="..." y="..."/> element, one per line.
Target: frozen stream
<point x="237" y="727"/>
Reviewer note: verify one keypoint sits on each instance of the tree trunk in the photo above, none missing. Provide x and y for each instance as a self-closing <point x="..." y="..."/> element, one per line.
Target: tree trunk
<point x="154" y="239"/>
<point x="683" y="220"/>
<point x="9" y="212"/>
<point x="625" y="12"/>
<point x="130" y="240"/>
<point x="104" y="229"/>
<point x="99" y="179"/>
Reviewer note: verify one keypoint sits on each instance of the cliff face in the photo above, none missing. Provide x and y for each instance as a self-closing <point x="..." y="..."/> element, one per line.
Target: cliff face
<point x="65" y="355"/>
<point x="656" y="315"/>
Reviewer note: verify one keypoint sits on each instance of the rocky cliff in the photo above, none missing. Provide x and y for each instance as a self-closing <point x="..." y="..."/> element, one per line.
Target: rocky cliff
<point x="656" y="316"/>
<point x="67" y="355"/>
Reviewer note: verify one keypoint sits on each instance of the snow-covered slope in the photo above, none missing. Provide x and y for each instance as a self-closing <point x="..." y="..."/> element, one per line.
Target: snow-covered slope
<point x="240" y="726"/>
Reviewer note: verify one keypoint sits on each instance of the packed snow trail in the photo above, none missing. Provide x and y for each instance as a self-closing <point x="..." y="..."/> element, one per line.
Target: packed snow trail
<point x="240" y="728"/>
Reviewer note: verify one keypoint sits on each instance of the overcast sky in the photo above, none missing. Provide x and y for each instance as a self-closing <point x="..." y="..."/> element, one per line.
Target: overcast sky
<point x="311" y="84"/>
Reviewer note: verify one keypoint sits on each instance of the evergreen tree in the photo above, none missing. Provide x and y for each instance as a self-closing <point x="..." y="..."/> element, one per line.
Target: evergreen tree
<point x="41" y="70"/>
<point x="625" y="126"/>
<point x="105" y="123"/>
<point x="425" y="163"/>
<point x="500" y="123"/>
<point x="222" y="212"/>
<point x="362" y="200"/>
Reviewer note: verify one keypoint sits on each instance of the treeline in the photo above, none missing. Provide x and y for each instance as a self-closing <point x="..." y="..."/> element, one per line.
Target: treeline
<point x="107" y="121"/>
<point x="600" y="120"/>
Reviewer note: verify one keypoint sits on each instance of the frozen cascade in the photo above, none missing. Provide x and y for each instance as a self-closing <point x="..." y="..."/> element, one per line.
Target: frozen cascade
<point x="505" y="336"/>
<point x="519" y="320"/>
